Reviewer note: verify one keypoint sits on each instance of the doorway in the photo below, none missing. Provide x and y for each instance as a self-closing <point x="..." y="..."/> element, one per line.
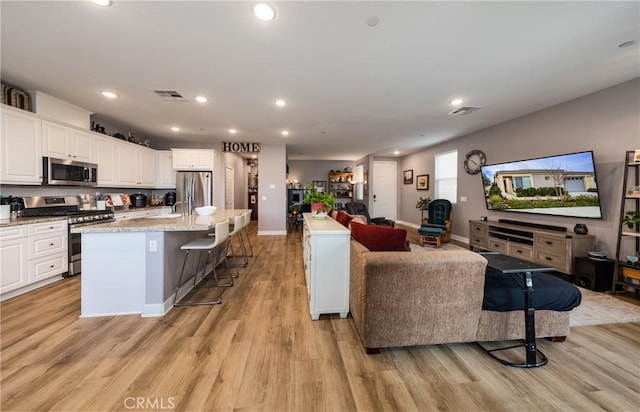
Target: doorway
<point x="384" y="190"/>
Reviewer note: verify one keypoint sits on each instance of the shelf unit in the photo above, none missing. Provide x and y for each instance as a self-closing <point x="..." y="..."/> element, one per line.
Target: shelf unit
<point x="627" y="276"/>
<point x="340" y="185"/>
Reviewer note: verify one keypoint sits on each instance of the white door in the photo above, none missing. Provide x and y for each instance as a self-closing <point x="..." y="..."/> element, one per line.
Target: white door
<point x="384" y="190"/>
<point x="228" y="188"/>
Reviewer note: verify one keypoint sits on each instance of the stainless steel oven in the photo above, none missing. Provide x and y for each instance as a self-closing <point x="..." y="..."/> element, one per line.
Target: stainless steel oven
<point x="63" y="172"/>
<point x="68" y="206"/>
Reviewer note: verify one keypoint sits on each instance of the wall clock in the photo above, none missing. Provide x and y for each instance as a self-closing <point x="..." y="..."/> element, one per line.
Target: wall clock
<point x="473" y="161"/>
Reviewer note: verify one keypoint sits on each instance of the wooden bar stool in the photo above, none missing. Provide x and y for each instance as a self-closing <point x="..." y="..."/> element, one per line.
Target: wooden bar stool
<point x="214" y="246"/>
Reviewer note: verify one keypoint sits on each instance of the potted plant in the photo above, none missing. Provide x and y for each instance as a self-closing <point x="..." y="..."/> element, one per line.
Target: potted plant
<point x="631" y="218"/>
<point x="423" y="204"/>
<point x="320" y="202"/>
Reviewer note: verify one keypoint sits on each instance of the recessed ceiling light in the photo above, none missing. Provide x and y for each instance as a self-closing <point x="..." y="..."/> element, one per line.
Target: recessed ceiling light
<point x="254" y="156"/>
<point x="627" y="44"/>
<point x="101" y="2"/>
<point x="281" y="103"/>
<point x="396" y="152"/>
<point x="456" y="102"/>
<point x="110" y="95"/>
<point x="285" y="133"/>
<point x="201" y="99"/>
<point x="233" y="131"/>
<point x="175" y="128"/>
<point x="264" y="11"/>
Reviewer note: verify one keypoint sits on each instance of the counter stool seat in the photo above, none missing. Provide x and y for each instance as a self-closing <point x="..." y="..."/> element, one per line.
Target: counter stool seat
<point x="215" y="247"/>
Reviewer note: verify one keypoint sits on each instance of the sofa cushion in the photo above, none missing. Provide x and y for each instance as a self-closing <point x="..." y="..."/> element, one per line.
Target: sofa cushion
<point x="343" y="218"/>
<point x="380" y="238"/>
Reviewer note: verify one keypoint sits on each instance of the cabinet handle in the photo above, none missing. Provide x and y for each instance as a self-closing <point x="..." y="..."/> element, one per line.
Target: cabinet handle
<point x="518" y="251"/>
<point x="51" y="266"/>
<point x="548" y="242"/>
<point x="50" y="244"/>
<point x="548" y="258"/>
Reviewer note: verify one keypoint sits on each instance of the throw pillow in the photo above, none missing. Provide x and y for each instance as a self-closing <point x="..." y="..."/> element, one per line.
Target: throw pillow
<point x="343" y="219"/>
<point x="357" y="219"/>
<point x="380" y="238"/>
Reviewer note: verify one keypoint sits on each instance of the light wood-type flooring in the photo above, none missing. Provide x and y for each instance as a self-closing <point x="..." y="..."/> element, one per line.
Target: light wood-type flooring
<point x="260" y="350"/>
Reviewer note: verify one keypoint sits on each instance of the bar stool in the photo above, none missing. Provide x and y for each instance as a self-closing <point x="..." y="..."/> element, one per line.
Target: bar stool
<point x="238" y="225"/>
<point x="247" y="221"/>
<point x="214" y="247"/>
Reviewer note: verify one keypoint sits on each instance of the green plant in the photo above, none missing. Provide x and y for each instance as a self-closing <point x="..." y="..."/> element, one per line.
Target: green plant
<point x="631" y="218"/>
<point x="423" y="204"/>
<point x="313" y="196"/>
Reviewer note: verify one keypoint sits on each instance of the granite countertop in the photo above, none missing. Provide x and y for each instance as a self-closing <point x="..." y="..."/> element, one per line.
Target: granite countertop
<point x="30" y="220"/>
<point x="162" y="223"/>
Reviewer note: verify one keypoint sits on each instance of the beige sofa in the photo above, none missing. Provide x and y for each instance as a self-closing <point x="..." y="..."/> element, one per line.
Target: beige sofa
<point x="424" y="298"/>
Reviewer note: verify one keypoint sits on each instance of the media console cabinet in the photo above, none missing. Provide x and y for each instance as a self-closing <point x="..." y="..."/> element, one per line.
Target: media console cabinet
<point x="552" y="246"/>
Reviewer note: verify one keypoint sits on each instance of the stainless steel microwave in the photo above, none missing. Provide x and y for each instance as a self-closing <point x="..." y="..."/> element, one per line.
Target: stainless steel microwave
<point x="68" y="172"/>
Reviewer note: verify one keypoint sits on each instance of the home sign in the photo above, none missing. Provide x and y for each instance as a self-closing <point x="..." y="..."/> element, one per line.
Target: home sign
<point x="236" y="147"/>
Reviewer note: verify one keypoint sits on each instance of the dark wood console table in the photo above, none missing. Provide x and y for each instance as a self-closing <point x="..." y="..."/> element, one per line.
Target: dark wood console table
<point x="507" y="264"/>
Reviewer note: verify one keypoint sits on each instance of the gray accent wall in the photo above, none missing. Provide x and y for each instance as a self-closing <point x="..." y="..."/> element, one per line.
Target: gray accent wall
<point x="272" y="191"/>
<point x="607" y="122"/>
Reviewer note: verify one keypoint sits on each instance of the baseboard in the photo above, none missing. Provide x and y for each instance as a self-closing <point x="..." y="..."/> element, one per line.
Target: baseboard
<point x="29" y="288"/>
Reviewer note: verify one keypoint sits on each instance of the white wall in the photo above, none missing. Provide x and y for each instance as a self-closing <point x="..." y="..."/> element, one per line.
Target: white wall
<point x="607" y="122"/>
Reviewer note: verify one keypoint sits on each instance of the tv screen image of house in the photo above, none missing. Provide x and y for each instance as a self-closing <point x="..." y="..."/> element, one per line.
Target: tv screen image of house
<point x="562" y="185"/>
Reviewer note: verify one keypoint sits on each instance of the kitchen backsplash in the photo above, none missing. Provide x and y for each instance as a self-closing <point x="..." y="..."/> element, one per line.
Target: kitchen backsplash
<point x="22" y="191"/>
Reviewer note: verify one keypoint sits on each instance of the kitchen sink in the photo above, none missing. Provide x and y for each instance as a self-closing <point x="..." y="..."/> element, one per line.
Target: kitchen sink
<point x="165" y="216"/>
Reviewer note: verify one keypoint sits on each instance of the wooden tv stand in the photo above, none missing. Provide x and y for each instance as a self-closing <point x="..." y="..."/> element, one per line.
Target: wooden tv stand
<point x="543" y="246"/>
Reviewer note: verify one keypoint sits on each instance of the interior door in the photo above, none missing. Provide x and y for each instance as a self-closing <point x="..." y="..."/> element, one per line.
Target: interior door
<point x="384" y="190"/>
<point x="228" y="188"/>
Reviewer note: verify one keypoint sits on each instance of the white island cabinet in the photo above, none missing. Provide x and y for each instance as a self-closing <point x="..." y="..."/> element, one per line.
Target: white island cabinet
<point x="326" y="245"/>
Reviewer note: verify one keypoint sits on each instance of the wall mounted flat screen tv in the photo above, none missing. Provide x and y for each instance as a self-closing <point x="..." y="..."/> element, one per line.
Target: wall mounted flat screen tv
<point x="563" y="185"/>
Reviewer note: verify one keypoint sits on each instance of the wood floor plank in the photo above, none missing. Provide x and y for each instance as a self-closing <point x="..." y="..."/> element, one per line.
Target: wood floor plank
<point x="260" y="351"/>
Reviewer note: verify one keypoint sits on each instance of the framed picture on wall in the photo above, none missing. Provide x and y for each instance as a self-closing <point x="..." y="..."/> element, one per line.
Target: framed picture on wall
<point x="408" y="177"/>
<point x="422" y="182"/>
<point x="320" y="185"/>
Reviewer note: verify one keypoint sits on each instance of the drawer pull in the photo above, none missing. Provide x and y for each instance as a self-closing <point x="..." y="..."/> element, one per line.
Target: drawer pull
<point x="518" y="251"/>
<point x="50" y="227"/>
<point x="51" y="244"/>
<point x="496" y="244"/>
<point x="52" y="266"/>
<point x="548" y="258"/>
<point x="548" y="242"/>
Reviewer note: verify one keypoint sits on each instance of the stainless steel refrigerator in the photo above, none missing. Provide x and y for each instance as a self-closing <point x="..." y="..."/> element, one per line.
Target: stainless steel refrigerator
<point x="193" y="189"/>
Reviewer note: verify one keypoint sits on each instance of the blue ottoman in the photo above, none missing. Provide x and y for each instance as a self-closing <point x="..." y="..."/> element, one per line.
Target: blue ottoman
<point x="430" y="236"/>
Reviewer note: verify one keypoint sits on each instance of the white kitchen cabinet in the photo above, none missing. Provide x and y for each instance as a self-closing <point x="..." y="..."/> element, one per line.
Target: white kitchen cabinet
<point x="105" y="156"/>
<point x="192" y="159"/>
<point x="135" y="165"/>
<point x="165" y="174"/>
<point x="21" y="147"/>
<point x="32" y="256"/>
<point x="326" y="253"/>
<point x="64" y="142"/>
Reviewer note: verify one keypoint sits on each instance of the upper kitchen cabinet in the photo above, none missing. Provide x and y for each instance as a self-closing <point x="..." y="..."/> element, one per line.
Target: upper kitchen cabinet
<point x="192" y="159"/>
<point x="105" y="156"/>
<point x="64" y="142"/>
<point x="21" y="142"/>
<point x="165" y="174"/>
<point x="136" y="165"/>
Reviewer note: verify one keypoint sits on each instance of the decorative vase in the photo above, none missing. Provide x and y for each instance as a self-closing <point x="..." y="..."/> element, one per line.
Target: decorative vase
<point x="318" y="210"/>
<point x="580" y="229"/>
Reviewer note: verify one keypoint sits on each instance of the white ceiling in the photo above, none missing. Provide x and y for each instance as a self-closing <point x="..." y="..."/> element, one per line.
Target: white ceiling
<point x="352" y="89"/>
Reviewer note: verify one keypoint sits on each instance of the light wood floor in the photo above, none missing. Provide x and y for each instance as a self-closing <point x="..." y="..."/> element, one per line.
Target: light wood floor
<point x="260" y="350"/>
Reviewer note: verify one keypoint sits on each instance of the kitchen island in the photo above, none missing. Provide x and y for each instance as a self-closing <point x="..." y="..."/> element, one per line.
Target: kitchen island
<point x="132" y="266"/>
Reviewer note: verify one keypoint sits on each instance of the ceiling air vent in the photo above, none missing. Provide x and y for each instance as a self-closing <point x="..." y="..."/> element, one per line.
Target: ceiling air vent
<point x="171" y="95"/>
<point x="464" y="110"/>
